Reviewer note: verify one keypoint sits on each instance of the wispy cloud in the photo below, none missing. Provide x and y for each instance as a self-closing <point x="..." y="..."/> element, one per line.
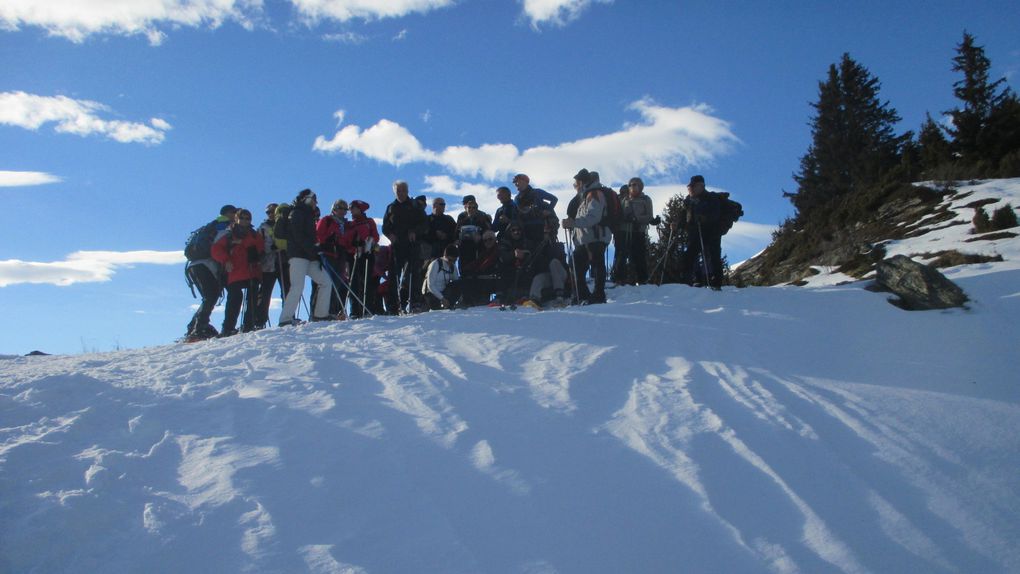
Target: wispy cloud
<point x="82" y="267"/>
<point x="80" y="117"/>
<point x="556" y="12"/>
<point x="76" y="20"/>
<point x="664" y="140"/>
<point x="346" y="38"/>
<point x="26" y="178"/>
<point x="344" y="10"/>
<point x="401" y="35"/>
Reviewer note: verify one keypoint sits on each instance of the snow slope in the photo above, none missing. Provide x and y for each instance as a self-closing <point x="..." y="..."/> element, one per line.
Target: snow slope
<point x="672" y="430"/>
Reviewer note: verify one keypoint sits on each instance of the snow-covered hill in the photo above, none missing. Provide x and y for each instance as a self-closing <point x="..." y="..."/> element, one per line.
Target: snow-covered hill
<point x="672" y="430"/>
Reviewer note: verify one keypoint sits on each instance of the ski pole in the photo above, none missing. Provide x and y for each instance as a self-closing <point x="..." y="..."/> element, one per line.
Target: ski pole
<point x="346" y="285"/>
<point x="665" y="254"/>
<point x="364" y="289"/>
<point x="704" y="255"/>
<point x="573" y="264"/>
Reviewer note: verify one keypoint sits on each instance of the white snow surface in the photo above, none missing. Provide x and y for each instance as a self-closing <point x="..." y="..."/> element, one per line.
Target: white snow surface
<point x="672" y="430"/>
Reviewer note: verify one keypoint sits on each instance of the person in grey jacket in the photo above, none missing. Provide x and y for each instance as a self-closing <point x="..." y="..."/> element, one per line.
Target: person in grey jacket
<point x="632" y="236"/>
<point x="590" y="238"/>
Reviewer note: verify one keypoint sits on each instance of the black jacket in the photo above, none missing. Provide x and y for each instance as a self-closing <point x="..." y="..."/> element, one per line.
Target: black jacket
<point x="403" y="218"/>
<point x="301" y="240"/>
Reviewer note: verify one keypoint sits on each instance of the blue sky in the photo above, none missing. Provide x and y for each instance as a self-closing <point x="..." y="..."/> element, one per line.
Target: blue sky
<point x="124" y="124"/>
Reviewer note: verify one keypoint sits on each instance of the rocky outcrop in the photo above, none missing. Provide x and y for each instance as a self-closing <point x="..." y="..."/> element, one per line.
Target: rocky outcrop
<point x="918" y="286"/>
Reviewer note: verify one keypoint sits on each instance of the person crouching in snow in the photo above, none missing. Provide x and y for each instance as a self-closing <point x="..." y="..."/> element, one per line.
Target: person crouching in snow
<point x="442" y="283"/>
<point x="240" y="252"/>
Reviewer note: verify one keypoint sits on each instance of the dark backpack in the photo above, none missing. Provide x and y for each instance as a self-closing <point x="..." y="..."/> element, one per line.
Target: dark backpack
<point x="281" y="228"/>
<point x="612" y="216"/>
<point x="199" y="243"/>
<point x="729" y="212"/>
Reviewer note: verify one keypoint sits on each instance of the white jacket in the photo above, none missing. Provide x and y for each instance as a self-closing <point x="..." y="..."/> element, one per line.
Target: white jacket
<point x="589" y="214"/>
<point x="440" y="273"/>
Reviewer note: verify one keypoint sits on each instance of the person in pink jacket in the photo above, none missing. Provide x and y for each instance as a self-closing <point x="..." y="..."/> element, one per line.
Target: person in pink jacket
<point x="240" y="252"/>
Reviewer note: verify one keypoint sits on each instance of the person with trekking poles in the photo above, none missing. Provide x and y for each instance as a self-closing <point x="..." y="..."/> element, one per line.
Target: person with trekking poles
<point x="704" y="236"/>
<point x="363" y="239"/>
<point x="305" y="261"/>
<point x="240" y="252"/>
<point x="270" y="268"/>
<point x="331" y="234"/>
<point x="204" y="273"/>
<point x="589" y="237"/>
<point x="638" y="212"/>
<point x="401" y="224"/>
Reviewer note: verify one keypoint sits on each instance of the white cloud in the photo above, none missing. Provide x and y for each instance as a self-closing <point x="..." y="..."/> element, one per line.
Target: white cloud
<point x="344" y="10"/>
<point x="665" y="140"/>
<point x="556" y="12"/>
<point x="82" y="267"/>
<point x="346" y="38"/>
<point x="386" y="141"/>
<point x="401" y="35"/>
<point x="26" y="178"/>
<point x="78" y="19"/>
<point x="80" y="117"/>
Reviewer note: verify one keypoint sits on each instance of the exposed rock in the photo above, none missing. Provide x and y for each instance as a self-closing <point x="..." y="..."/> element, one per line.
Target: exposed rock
<point x="919" y="286"/>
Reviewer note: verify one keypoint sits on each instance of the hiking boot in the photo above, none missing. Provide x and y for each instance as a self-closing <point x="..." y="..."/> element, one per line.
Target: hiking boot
<point x="291" y="323"/>
<point x="326" y="318"/>
<point x="227" y="333"/>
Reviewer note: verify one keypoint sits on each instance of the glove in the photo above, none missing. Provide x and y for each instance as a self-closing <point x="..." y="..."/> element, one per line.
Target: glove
<point x="657" y="221"/>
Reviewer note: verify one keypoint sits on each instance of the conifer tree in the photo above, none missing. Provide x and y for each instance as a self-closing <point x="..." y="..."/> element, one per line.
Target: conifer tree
<point x="934" y="148"/>
<point x="673" y="264"/>
<point x="853" y="139"/>
<point x="980" y="100"/>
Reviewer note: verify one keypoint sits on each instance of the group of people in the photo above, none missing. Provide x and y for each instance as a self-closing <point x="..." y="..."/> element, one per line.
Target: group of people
<point x="432" y="261"/>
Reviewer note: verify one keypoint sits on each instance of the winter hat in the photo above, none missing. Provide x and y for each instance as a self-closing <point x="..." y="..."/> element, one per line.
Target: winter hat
<point x="583" y="176"/>
<point x="360" y="205"/>
<point x="339" y="204"/>
<point x="467" y="199"/>
<point x="697" y="179"/>
<point x="228" y="210"/>
<point x="303" y="195"/>
<point x="271" y="208"/>
<point x="422" y="200"/>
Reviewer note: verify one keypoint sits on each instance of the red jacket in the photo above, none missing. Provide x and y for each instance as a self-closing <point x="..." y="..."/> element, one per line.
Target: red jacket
<point x="234" y="250"/>
<point x="332" y="234"/>
<point x="358" y="231"/>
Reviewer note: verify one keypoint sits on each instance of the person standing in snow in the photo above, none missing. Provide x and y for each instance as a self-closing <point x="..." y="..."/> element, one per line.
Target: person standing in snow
<point x="206" y="275"/>
<point x="303" y="255"/>
<point x="270" y="268"/>
<point x="638" y="212"/>
<point x="589" y="237"/>
<point x="704" y="237"/>
<point x="240" y="252"/>
<point x="331" y="233"/>
<point x="401" y="225"/>
<point x="362" y="242"/>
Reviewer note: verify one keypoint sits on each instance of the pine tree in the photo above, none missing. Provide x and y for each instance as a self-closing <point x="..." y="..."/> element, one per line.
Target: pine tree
<point x="934" y="148"/>
<point x="672" y="268"/>
<point x="986" y="127"/>
<point x="853" y="139"/>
